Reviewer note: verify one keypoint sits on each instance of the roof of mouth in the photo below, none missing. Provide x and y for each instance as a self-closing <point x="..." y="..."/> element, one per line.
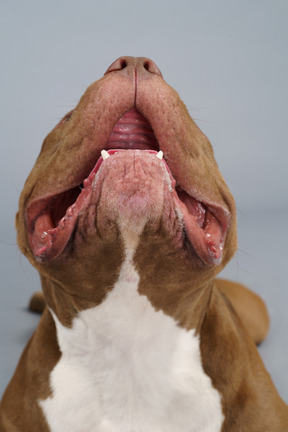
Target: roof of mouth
<point x="132" y="131"/>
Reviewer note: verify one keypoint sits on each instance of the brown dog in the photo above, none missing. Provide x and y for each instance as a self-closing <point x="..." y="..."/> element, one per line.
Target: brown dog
<point x="137" y="335"/>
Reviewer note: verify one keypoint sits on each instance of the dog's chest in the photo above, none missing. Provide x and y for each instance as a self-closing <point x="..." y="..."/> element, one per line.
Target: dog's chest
<point x="127" y="368"/>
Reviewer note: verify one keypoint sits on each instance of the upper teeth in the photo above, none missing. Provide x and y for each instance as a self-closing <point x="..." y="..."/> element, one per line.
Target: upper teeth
<point x="104" y="154"/>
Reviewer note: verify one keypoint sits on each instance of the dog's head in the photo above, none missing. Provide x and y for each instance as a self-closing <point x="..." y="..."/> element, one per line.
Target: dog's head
<point x="82" y="210"/>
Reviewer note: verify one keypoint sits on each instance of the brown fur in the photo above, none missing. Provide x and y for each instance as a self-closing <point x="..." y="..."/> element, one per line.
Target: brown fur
<point x="250" y="400"/>
<point x="182" y="287"/>
<point x="31" y="381"/>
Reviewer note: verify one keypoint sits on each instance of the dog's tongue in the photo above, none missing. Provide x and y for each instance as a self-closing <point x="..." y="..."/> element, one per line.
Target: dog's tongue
<point x="132" y="185"/>
<point x="132" y="132"/>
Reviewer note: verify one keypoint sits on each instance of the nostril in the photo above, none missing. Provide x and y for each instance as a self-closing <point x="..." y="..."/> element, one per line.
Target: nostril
<point x="123" y="63"/>
<point x="151" y="67"/>
<point x="146" y="65"/>
<point x="118" y="65"/>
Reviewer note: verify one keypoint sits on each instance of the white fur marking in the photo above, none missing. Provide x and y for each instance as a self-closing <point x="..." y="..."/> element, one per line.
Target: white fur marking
<point x="127" y="368"/>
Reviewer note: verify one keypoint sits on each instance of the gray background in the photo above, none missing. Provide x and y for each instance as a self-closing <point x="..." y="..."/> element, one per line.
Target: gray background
<point x="228" y="61"/>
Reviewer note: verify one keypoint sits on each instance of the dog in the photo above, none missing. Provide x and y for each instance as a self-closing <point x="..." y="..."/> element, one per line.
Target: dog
<point x="128" y="220"/>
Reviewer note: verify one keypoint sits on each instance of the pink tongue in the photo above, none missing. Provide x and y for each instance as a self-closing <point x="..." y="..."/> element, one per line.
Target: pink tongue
<point x="132" y="131"/>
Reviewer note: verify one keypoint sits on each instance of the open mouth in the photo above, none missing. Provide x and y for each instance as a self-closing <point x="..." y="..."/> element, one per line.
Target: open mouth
<point x="51" y="220"/>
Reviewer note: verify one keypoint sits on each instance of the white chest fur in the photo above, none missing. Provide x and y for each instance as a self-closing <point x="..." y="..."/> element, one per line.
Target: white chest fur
<point x="127" y="368"/>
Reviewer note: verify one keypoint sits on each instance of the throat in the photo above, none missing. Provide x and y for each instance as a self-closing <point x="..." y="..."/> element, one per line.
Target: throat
<point x="125" y="334"/>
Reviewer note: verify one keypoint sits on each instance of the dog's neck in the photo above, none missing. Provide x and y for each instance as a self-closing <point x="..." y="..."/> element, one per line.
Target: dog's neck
<point x="183" y="300"/>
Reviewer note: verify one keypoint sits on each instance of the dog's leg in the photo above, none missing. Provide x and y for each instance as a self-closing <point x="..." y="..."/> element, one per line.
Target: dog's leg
<point x="249" y="306"/>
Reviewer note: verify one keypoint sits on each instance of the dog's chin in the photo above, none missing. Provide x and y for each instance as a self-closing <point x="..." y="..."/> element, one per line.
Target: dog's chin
<point x="130" y="185"/>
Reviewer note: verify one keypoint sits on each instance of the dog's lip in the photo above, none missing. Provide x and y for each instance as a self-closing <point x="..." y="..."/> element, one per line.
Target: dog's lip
<point x="48" y="238"/>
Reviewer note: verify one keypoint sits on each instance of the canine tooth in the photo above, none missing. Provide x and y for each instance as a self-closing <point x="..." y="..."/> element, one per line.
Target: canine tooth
<point x="160" y="155"/>
<point x="104" y="154"/>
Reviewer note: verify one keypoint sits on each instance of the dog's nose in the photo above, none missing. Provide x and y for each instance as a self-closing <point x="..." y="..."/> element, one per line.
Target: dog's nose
<point x="142" y="65"/>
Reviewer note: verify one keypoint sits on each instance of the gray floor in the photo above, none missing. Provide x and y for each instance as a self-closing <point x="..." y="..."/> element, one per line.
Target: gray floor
<point x="261" y="263"/>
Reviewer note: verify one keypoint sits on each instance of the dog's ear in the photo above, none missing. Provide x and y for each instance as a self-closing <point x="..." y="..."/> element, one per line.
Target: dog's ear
<point x="37" y="303"/>
<point x="16" y="220"/>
